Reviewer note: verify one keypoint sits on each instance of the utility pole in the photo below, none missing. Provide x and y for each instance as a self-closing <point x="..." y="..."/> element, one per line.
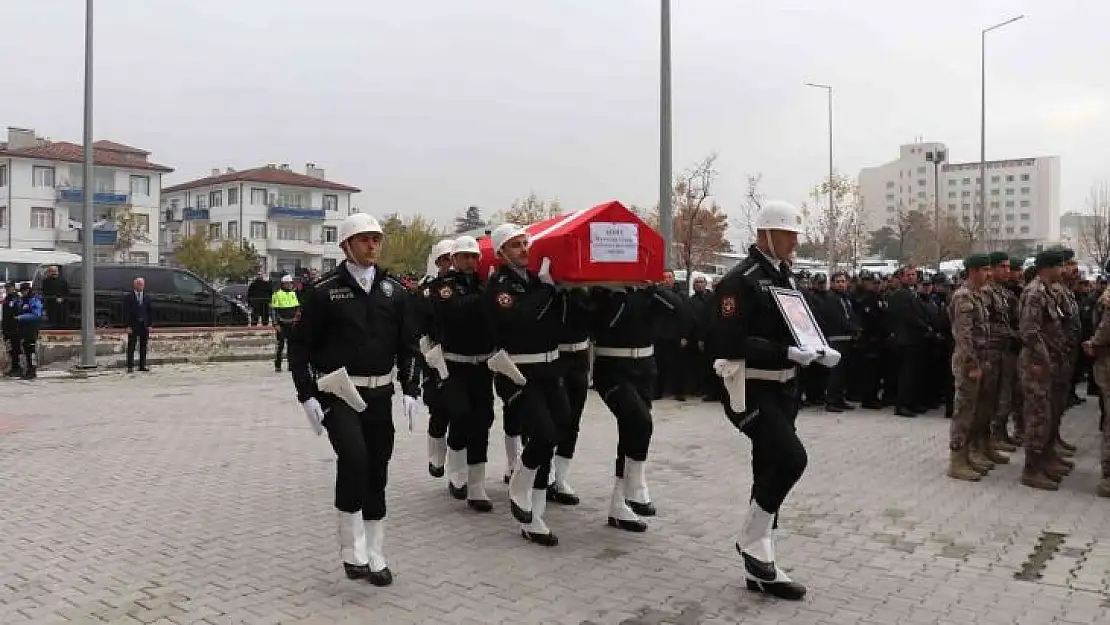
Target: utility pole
<point x="666" y="218"/>
<point x="88" y="289"/>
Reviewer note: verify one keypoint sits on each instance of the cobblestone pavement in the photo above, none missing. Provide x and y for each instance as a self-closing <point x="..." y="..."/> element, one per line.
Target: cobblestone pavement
<point x="199" y="495"/>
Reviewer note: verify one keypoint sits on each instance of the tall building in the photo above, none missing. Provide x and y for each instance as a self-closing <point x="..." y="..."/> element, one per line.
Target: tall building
<point x="42" y="195"/>
<point x="292" y="219"/>
<point x="1023" y="195"/>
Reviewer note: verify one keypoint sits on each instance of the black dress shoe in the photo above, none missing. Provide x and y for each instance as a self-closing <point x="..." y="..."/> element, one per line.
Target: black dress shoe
<point x="833" y="408"/>
<point x="480" y="505"/>
<point x="905" y="412"/>
<point x="354" y="571"/>
<point x="547" y="540"/>
<point x="845" y="406"/>
<point x="458" y="492"/>
<point x="627" y="524"/>
<point x="790" y="591"/>
<point x="147" y="369"/>
<point x="519" y="513"/>
<point x="130" y="370"/>
<point x="680" y="398"/>
<point x="559" y="497"/>
<point x="435" y="471"/>
<point x="642" y="509"/>
<point x="380" y="578"/>
<point x="872" y="405"/>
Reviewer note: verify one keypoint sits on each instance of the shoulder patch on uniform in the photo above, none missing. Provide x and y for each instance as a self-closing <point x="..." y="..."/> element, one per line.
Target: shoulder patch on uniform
<point x="728" y="305"/>
<point x="445" y="292"/>
<point x="387" y="287"/>
<point x="427" y="292"/>
<point x="505" y="300"/>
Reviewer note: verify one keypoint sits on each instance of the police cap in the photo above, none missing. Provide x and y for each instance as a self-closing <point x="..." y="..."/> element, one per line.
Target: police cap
<point x="997" y="258"/>
<point x="977" y="261"/>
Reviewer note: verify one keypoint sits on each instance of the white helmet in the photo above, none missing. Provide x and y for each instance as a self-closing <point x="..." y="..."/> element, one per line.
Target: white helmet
<point x="286" y="278"/>
<point x="357" y="224"/>
<point x="445" y="246"/>
<point x="466" y="245"/>
<point x="779" y="215"/>
<point x="504" y="233"/>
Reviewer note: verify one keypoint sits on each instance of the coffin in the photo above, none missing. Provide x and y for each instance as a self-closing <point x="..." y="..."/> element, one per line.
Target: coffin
<point x="601" y="245"/>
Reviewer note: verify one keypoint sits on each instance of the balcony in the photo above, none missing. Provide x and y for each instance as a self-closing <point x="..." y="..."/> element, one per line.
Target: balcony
<point x="293" y="212"/>
<point x="107" y="198"/>
<point x="104" y="232"/>
<point x="194" y="214"/>
<point x="300" y="246"/>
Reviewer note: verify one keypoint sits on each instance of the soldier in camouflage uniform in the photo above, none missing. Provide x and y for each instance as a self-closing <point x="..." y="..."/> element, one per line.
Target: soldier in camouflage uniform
<point x="1007" y="355"/>
<point x="1073" y="333"/>
<point x="984" y="455"/>
<point x="1042" y="337"/>
<point x="1014" y="284"/>
<point x="1098" y="347"/>
<point x="967" y="309"/>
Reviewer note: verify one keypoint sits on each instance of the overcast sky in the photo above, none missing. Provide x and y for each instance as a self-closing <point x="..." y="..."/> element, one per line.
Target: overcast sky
<point x="433" y="105"/>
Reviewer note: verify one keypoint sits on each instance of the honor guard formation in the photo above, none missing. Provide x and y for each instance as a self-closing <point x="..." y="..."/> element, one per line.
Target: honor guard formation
<point x="999" y="348"/>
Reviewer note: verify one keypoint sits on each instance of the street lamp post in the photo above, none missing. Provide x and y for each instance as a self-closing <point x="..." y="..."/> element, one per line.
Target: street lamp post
<point x="831" y="234"/>
<point x="982" y="213"/>
<point x="666" y="220"/>
<point x="936" y="158"/>
<point x="88" y="310"/>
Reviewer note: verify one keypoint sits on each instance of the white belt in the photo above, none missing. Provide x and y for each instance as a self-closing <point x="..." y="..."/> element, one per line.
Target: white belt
<point x="374" y="381"/>
<point x="574" y="347"/>
<point x="625" y="352"/>
<point x="534" y="359"/>
<point x="840" y="337"/>
<point x="778" y="375"/>
<point x="465" y="359"/>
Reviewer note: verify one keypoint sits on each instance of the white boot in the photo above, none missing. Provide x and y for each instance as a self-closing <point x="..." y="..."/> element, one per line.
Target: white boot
<point x="437" y="455"/>
<point x="620" y="515"/>
<point x="560" y="490"/>
<point x="476" y="496"/>
<point x="352" y="544"/>
<point x="757" y="548"/>
<point x="520" y="492"/>
<point x="635" y="488"/>
<point x="537" y="531"/>
<point x="457" y="473"/>
<point x="512" y="452"/>
<point x="380" y="574"/>
<point x="756" y="539"/>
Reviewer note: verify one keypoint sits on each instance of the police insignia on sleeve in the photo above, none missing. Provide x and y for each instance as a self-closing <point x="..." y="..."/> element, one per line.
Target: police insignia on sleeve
<point x="444" y="292"/>
<point x="387" y="288"/>
<point x="427" y="292"/>
<point x="728" y="305"/>
<point x="505" y="300"/>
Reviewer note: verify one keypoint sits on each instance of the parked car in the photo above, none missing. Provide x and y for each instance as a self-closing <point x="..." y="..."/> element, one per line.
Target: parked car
<point x="178" y="297"/>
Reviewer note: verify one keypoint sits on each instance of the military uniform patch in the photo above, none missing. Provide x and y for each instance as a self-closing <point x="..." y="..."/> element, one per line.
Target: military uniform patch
<point x="728" y="305"/>
<point x="444" y="292"/>
<point x="505" y="300"/>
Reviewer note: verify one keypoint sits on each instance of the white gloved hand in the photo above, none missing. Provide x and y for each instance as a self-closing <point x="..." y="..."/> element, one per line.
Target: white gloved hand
<point x="545" y="271"/>
<point x="411" y="406"/>
<point x="315" y="414"/>
<point x="829" y="358"/>
<point x="801" y="355"/>
<point x="725" y="368"/>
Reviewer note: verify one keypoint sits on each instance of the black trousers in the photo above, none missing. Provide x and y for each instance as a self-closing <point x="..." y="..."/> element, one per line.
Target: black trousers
<point x="576" y="382"/>
<point x="281" y="337"/>
<point x="814" y="380"/>
<point x="671" y="376"/>
<point x="697" y="368"/>
<point x="778" y="456"/>
<point x="625" y="385"/>
<point x="909" y="363"/>
<point x="260" y="312"/>
<point x="437" y="417"/>
<point x="467" y="397"/>
<point x="15" y="349"/>
<point x="865" y="372"/>
<point x="542" y="408"/>
<point x="363" y="444"/>
<point x="29" y="343"/>
<point x="838" y="375"/>
<point x="137" y="336"/>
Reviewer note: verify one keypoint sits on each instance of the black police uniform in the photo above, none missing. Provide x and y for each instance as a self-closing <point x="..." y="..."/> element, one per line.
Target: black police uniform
<point x="368" y="333"/>
<point x="438" y="420"/>
<point x="11" y="330"/>
<point x="527" y="318"/>
<point x="870" y="348"/>
<point x="574" y="363"/>
<point x="749" y="327"/>
<point x="462" y="325"/>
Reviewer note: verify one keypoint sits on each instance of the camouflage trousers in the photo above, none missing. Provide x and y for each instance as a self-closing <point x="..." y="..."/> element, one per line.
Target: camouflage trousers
<point x="1008" y="390"/>
<point x="1102" y="378"/>
<point x="964" y="407"/>
<point x="1062" y="386"/>
<point x="1038" y="403"/>
<point x="986" y="406"/>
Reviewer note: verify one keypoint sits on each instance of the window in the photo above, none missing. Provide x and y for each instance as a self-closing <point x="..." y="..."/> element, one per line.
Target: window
<point x="965" y="194"/>
<point x="142" y="258"/>
<point x="951" y="207"/>
<point x="890" y="196"/>
<point x="292" y="200"/>
<point x="232" y="196"/>
<point x="329" y="264"/>
<point x="185" y="284"/>
<point x="291" y="233"/>
<point x="142" y="222"/>
<point x="891" y="221"/>
<point x="1025" y="229"/>
<point x="233" y="230"/>
<point x="1025" y="190"/>
<point x="331" y="234"/>
<point x="1009" y="216"/>
<point x="1025" y="216"/>
<point x="331" y="202"/>
<point x="966" y="219"/>
<point x="3" y="217"/>
<point x="3" y="175"/>
<point x="889" y="185"/>
<point x="258" y="197"/>
<point x="1010" y="230"/>
<point x="994" y="204"/>
<point x="995" y="218"/>
<point x="920" y="170"/>
<point x="202" y="201"/>
<point x="1025" y="177"/>
<point x="995" y="179"/>
<point x="140" y="185"/>
<point x="920" y="182"/>
<point x="921" y="194"/>
<point x="1009" y="203"/>
<point x="966" y="181"/>
<point x="965" y="206"/>
<point x="951" y="194"/>
<point x="214" y="230"/>
<point x="1010" y="178"/>
<point x="42" y="218"/>
<point x="42" y="176"/>
<point x="175" y="204"/>
<point x="1025" y="203"/>
<point x="216" y="198"/>
<point x="890" y="208"/>
<point x="1009" y="191"/>
<point x="994" y="191"/>
<point x="952" y="182"/>
<point x="258" y="230"/>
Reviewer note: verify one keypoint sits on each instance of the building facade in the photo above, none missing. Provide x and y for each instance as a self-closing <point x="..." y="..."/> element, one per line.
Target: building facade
<point x="42" y="195"/>
<point x="291" y="219"/>
<point x="1023" y="195"/>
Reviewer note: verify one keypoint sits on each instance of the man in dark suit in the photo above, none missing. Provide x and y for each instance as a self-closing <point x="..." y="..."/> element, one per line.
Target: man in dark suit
<point x="136" y="307"/>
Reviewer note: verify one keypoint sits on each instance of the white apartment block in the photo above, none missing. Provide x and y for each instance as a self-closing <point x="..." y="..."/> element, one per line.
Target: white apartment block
<point x="1023" y="195"/>
<point x="42" y="194"/>
<point x="292" y="219"/>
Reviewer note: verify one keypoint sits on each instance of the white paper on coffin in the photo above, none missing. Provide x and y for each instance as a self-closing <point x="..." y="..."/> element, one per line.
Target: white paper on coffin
<point x="614" y="242"/>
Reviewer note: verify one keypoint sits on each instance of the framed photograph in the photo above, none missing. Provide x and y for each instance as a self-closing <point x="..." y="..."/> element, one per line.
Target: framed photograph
<point x="799" y="318"/>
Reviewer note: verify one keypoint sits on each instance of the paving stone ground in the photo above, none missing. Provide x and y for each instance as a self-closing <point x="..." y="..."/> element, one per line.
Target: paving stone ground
<point x="198" y="494"/>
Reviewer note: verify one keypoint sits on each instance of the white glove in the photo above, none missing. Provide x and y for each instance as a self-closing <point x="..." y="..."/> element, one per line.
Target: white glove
<point x="411" y="406"/>
<point x="829" y="358"/>
<point x="545" y="271"/>
<point x="315" y="414"/>
<point x="725" y="368"/>
<point x="802" y="355"/>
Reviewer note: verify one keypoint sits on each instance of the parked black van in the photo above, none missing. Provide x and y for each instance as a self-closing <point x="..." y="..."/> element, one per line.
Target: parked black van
<point x="178" y="297"/>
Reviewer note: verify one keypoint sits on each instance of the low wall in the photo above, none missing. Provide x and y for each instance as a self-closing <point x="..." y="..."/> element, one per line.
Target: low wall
<point x="61" y="347"/>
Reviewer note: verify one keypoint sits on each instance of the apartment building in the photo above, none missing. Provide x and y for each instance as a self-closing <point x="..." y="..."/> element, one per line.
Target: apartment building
<point x="291" y="218"/>
<point x="42" y="195"/>
<point x="1023" y="194"/>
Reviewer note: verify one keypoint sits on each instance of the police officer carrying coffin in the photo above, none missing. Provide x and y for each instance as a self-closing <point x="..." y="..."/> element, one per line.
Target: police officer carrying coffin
<point x="759" y="360"/>
<point x="527" y="315"/>
<point x="462" y="325"/>
<point x="438" y="419"/>
<point x="356" y="325"/>
<point x="574" y="362"/>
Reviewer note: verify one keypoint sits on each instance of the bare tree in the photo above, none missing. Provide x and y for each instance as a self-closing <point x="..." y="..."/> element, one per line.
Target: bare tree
<point x="750" y="207"/>
<point x="700" y="223"/>
<point x="529" y="210"/>
<point x="1093" y="227"/>
<point x="844" y="222"/>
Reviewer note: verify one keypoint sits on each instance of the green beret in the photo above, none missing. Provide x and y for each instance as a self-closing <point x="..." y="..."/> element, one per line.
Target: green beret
<point x="997" y="258"/>
<point x="1067" y="254"/>
<point x="1016" y="262"/>
<point x="1048" y="258"/>
<point x="977" y="261"/>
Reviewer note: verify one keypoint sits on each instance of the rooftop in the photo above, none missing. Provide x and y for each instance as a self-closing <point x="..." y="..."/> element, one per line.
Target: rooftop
<point x="105" y="154"/>
<point x="269" y="174"/>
